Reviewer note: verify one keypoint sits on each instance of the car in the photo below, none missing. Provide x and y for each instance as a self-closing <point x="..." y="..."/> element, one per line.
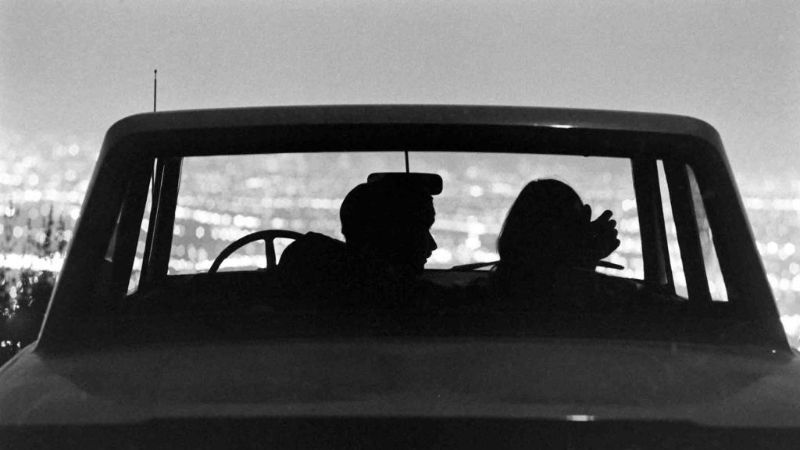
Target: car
<point x="168" y="327"/>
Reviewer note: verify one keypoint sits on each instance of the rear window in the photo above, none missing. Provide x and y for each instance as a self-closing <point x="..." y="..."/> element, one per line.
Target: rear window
<point x="310" y="280"/>
<point x="223" y="198"/>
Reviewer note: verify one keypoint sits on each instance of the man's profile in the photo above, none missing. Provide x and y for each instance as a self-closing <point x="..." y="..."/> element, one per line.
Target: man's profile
<point x="386" y="223"/>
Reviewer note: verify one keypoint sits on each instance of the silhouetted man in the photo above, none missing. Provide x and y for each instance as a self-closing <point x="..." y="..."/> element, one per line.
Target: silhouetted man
<point x="386" y="224"/>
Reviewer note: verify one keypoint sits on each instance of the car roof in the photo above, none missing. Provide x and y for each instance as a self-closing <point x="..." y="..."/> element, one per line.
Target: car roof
<point x="446" y="115"/>
<point x="132" y="145"/>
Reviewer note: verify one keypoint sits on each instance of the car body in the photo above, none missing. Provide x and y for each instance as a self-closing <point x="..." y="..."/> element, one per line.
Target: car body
<point x="181" y="371"/>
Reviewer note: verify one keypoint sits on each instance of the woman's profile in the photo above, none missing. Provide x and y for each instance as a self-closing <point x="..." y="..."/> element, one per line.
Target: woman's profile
<point x="549" y="232"/>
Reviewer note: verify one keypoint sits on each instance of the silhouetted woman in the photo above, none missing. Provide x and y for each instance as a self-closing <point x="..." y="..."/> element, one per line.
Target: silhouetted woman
<point x="548" y="234"/>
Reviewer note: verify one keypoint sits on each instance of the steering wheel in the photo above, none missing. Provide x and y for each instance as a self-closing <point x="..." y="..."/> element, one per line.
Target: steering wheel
<point x="268" y="236"/>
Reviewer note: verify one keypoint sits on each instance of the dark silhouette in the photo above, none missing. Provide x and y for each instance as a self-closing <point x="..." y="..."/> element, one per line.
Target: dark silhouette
<point x="390" y="220"/>
<point x="386" y="224"/>
<point x="548" y="235"/>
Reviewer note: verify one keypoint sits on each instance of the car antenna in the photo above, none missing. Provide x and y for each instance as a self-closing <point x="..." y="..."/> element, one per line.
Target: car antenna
<point x="155" y="88"/>
<point x="155" y="180"/>
<point x="406" y="153"/>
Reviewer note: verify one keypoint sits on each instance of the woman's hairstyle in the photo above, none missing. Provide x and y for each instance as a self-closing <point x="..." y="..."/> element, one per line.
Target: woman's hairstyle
<point x="545" y="225"/>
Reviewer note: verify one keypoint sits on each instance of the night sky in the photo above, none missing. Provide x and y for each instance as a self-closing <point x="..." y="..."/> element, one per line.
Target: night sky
<point x="71" y="69"/>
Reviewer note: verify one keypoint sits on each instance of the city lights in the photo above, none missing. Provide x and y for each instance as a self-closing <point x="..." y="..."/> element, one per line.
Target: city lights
<point x="217" y="207"/>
